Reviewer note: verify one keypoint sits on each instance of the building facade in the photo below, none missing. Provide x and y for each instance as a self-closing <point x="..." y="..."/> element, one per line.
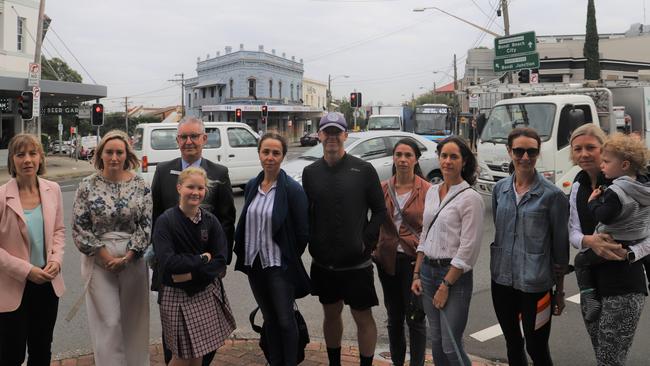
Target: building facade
<point x="314" y="96"/>
<point x="18" y="26"/>
<point x="247" y="80"/>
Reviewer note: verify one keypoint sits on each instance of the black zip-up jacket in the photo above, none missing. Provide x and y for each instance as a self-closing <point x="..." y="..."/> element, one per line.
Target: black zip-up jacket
<point x="340" y="234"/>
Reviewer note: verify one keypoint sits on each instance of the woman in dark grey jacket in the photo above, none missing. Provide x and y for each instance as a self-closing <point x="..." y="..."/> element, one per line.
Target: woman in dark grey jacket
<point x="271" y="236"/>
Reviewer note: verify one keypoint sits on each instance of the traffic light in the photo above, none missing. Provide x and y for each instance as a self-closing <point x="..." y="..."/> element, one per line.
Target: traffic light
<point x="26" y="105"/>
<point x="265" y="111"/>
<point x="97" y="114"/>
<point x="359" y="104"/>
<point x="524" y="76"/>
<point x="353" y="100"/>
<point x="238" y="115"/>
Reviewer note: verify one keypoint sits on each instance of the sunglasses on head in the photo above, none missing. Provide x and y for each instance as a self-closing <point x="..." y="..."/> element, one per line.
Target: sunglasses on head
<point x="519" y="152"/>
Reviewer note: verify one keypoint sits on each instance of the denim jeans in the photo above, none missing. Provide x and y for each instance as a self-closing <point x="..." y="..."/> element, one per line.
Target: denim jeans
<point x="456" y="310"/>
<point x="397" y="294"/>
<point x="275" y="295"/>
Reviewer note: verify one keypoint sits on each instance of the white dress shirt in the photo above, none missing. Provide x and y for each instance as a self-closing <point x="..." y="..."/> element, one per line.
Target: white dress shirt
<point x="458" y="230"/>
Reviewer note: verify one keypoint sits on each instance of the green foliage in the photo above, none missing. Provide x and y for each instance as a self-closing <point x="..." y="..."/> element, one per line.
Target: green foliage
<point x="346" y="108"/>
<point x="65" y="72"/>
<point x="431" y="98"/>
<point x="590" y="50"/>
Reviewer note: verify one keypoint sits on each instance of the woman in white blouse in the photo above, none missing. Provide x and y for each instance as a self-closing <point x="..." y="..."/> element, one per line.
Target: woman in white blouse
<point x="449" y="246"/>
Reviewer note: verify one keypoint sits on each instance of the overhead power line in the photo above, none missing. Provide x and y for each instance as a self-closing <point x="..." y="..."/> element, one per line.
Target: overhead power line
<point x="50" y="28"/>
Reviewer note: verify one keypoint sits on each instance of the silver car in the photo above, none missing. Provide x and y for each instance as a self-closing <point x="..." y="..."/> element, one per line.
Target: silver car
<point x="375" y="147"/>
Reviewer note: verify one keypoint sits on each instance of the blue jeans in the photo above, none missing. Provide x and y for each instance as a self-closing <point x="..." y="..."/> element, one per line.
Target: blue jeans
<point x="397" y="294"/>
<point x="456" y="310"/>
<point x="274" y="293"/>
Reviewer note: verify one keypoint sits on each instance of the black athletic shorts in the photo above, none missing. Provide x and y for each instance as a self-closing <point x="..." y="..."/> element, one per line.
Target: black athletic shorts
<point x="356" y="287"/>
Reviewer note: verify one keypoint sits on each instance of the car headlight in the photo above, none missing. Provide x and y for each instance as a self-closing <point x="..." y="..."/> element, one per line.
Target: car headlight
<point x="549" y="174"/>
<point x="484" y="172"/>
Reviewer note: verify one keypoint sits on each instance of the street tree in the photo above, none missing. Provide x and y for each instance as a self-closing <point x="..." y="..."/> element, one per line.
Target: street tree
<point x="57" y="69"/>
<point x="590" y="50"/>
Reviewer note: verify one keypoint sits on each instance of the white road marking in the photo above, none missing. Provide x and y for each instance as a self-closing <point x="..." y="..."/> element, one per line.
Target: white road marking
<point x="574" y="299"/>
<point x="487" y="333"/>
<point x="495" y="330"/>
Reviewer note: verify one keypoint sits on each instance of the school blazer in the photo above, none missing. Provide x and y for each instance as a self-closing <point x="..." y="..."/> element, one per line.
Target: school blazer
<point x="14" y="240"/>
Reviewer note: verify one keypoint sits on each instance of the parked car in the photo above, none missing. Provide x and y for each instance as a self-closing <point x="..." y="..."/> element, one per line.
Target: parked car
<point x="56" y="148"/>
<point x="231" y="144"/>
<point x="309" y="139"/>
<point x="376" y="147"/>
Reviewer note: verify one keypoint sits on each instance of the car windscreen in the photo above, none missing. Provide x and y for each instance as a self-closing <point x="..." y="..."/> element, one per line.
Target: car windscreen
<point x="316" y="152"/>
<point x="504" y="118"/>
<point x="383" y="123"/>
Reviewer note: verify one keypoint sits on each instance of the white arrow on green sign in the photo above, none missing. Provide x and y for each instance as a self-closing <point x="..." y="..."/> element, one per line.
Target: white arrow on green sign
<point x="530" y="61"/>
<point x="515" y="45"/>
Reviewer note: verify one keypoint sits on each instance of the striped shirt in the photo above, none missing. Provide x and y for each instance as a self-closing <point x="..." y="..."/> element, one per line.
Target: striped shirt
<point x="259" y="231"/>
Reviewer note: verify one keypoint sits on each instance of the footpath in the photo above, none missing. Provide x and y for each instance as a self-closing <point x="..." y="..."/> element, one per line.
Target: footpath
<point x="239" y="352"/>
<point x="59" y="168"/>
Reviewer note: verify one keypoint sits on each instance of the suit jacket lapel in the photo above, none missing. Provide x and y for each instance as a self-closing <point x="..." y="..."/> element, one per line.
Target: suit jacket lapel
<point x="13" y="202"/>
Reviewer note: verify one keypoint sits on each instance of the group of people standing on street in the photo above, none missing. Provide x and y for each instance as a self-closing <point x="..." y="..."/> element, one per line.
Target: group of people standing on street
<point x="424" y="240"/>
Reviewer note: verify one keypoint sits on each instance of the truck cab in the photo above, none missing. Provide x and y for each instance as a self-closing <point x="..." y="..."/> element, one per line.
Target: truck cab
<point x="551" y="117"/>
<point x="385" y="122"/>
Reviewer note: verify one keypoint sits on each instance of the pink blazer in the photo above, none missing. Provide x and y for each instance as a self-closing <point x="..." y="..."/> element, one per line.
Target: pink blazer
<point x="14" y="240"/>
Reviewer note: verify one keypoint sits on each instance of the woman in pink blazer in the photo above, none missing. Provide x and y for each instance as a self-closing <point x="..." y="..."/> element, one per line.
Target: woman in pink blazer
<point x="32" y="236"/>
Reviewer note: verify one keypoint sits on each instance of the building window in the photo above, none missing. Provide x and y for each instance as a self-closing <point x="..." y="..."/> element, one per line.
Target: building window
<point x="212" y="91"/>
<point x="291" y="92"/>
<point x="280" y="89"/>
<point x="203" y="93"/>
<point x="232" y="84"/>
<point x="20" y="32"/>
<point x="271" y="88"/>
<point x="220" y="91"/>
<point x="189" y="99"/>
<point x="252" y="85"/>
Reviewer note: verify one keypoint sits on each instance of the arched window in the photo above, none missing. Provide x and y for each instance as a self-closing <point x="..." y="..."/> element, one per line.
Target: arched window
<point x="231" y="85"/>
<point x="271" y="88"/>
<point x="291" y="91"/>
<point x="280" y="89"/>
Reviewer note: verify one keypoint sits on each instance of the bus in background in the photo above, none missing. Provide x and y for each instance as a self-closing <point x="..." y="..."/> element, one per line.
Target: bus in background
<point x="434" y="121"/>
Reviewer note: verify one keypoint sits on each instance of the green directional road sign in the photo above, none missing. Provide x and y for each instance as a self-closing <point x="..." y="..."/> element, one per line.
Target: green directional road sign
<point x="530" y="61"/>
<point x="515" y="45"/>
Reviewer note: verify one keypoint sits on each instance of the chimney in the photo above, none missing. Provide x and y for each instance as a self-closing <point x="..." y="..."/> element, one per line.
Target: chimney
<point x="218" y="53"/>
<point x="228" y="49"/>
<point x="300" y="60"/>
<point x="293" y="58"/>
<point x="261" y="48"/>
<point x="198" y="59"/>
<point x="284" y="55"/>
<point x="207" y="56"/>
<point x="241" y="46"/>
<point x="273" y="51"/>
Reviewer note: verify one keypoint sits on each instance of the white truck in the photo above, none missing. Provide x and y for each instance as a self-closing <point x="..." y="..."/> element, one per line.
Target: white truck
<point x="553" y="116"/>
<point x="390" y="118"/>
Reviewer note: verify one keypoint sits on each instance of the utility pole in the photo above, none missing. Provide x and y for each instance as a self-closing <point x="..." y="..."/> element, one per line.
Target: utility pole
<point x="182" y="80"/>
<point x="506" y="28"/>
<point x="126" y="114"/>
<point x="34" y="126"/>
<point x="456" y="101"/>
<point x="329" y="91"/>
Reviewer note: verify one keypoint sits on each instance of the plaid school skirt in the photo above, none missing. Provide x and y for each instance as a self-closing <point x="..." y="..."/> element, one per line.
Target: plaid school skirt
<point x="195" y="325"/>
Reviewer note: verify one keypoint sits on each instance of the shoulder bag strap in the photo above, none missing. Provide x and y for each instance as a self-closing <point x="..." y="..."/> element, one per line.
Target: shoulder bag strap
<point x="443" y="206"/>
<point x="393" y="197"/>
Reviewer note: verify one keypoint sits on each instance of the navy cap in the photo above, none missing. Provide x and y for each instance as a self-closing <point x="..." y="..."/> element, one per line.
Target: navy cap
<point x="333" y="119"/>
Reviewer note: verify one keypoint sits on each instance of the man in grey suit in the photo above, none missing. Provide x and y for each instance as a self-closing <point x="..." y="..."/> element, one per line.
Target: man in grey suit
<point x="191" y="138"/>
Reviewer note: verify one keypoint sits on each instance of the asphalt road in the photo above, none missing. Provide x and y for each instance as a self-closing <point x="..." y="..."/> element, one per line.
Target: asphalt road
<point x="569" y="341"/>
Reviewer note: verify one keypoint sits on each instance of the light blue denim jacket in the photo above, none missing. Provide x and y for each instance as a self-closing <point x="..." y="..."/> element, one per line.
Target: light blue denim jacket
<point x="530" y="237"/>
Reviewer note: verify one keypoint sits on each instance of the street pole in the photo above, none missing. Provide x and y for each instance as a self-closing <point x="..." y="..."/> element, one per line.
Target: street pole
<point x="506" y="27"/>
<point x="329" y="91"/>
<point x="35" y="124"/>
<point x="126" y="114"/>
<point x="457" y="102"/>
<point x="182" y="80"/>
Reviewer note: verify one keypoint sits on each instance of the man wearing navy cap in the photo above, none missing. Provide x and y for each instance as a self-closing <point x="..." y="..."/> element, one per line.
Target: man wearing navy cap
<point x="341" y="189"/>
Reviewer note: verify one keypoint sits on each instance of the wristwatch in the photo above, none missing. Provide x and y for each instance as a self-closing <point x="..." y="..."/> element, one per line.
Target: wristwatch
<point x="204" y="258"/>
<point x="446" y="283"/>
<point x="630" y="256"/>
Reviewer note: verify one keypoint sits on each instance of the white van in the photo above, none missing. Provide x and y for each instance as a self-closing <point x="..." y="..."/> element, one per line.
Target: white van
<point x="230" y="144"/>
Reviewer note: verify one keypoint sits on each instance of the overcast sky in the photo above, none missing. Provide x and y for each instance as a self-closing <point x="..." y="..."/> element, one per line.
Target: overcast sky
<point x="389" y="52"/>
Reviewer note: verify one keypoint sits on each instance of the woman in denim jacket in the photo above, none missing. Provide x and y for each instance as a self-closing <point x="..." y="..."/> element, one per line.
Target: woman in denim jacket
<point x="530" y="216"/>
